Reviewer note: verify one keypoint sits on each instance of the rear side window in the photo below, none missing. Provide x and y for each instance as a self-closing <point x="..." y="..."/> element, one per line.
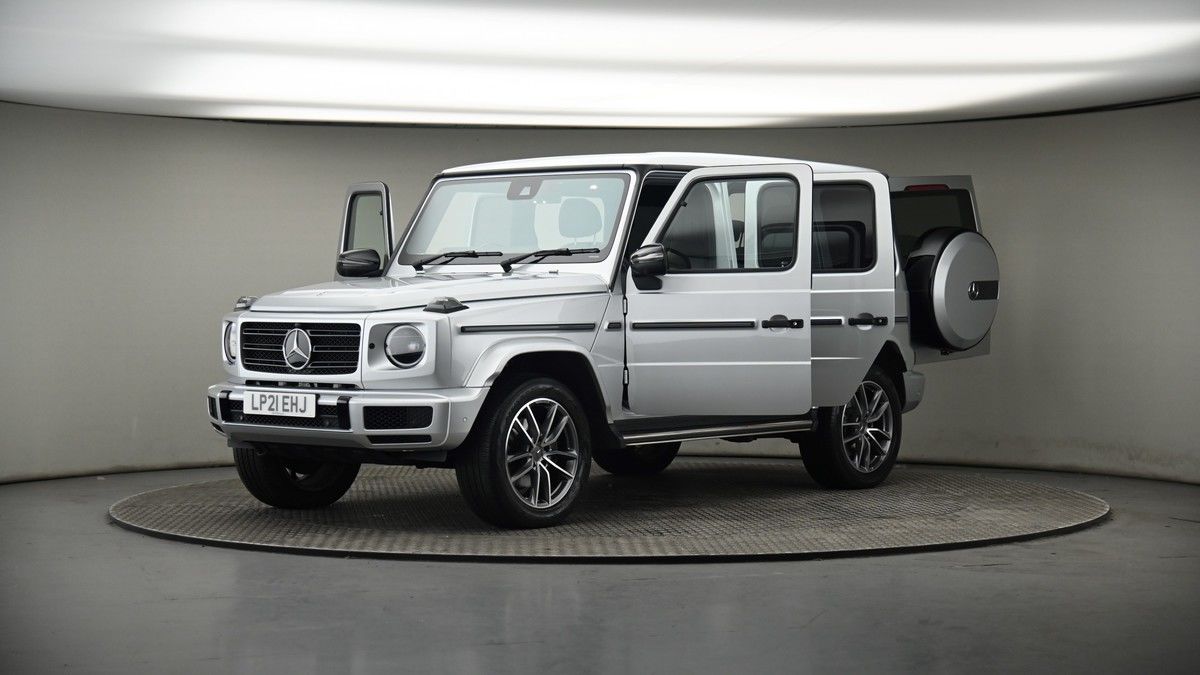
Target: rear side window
<point x="915" y="212"/>
<point x="843" y="227"/>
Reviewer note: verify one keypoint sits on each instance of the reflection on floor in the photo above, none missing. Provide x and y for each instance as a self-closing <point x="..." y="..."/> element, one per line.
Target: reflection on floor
<point x="78" y="592"/>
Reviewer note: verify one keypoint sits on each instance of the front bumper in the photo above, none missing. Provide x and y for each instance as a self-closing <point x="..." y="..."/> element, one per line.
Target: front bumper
<point x="341" y="421"/>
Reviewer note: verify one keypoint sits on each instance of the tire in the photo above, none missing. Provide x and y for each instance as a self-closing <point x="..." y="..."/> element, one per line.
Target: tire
<point x="287" y="483"/>
<point x="834" y="453"/>
<point x="953" y="280"/>
<point x="522" y="467"/>
<point x="637" y="460"/>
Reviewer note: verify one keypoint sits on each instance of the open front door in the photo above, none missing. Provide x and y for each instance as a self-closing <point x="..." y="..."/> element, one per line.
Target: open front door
<point x="725" y="330"/>
<point x="366" y="226"/>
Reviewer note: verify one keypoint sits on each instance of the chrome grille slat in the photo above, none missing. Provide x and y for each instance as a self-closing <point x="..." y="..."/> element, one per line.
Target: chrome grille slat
<point x="335" y="347"/>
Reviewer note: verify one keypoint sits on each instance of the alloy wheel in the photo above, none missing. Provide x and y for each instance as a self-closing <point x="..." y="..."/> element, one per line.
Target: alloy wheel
<point x="867" y="424"/>
<point x="541" y="453"/>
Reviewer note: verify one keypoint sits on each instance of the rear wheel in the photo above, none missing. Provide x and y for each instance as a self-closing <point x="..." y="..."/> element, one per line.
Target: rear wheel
<point x="636" y="460"/>
<point x="856" y="445"/>
<point x="528" y="461"/>
<point x="288" y="483"/>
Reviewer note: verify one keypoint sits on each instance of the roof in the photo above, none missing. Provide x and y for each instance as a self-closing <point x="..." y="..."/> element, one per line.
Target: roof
<point x="683" y="160"/>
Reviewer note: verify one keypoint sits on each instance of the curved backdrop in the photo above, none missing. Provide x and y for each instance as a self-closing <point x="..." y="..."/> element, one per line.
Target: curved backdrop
<point x="123" y="239"/>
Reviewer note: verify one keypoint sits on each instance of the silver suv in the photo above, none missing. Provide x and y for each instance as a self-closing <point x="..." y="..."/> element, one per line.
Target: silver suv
<point x="540" y="314"/>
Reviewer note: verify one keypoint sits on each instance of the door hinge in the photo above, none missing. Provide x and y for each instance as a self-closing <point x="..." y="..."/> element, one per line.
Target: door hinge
<point x="625" y="376"/>
<point x="625" y="306"/>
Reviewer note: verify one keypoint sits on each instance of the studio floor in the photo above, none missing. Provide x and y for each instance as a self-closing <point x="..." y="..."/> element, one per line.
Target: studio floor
<point x="77" y="592"/>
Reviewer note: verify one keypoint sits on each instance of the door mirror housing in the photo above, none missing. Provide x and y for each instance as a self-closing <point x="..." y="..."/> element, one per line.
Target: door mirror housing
<point x="359" y="262"/>
<point x="649" y="261"/>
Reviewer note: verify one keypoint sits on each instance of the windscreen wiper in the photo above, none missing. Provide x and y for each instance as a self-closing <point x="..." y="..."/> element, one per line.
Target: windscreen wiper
<point x="451" y="255"/>
<point x="507" y="263"/>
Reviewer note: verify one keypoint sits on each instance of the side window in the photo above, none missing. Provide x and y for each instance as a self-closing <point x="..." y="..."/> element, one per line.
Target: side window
<point x="725" y="224"/>
<point x="366" y="227"/>
<point x="843" y="227"/>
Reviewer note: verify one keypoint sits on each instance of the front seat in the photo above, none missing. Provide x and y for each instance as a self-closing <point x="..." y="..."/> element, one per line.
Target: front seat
<point x="579" y="218"/>
<point x="500" y="224"/>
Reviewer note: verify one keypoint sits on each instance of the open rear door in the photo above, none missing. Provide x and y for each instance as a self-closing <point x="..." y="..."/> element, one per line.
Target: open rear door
<point x="367" y="222"/>
<point x="950" y="269"/>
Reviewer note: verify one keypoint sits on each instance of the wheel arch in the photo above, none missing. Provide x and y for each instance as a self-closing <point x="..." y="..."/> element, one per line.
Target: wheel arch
<point x="891" y="360"/>
<point x="564" y="361"/>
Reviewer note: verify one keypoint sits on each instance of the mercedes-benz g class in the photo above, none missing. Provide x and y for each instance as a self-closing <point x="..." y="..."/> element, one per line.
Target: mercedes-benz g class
<point x="538" y="315"/>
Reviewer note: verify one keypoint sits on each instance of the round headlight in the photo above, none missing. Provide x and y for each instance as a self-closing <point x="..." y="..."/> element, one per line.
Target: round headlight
<point x="404" y="346"/>
<point x="231" y="342"/>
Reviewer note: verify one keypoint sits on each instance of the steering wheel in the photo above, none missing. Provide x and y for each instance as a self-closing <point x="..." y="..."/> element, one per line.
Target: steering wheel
<point x="682" y="258"/>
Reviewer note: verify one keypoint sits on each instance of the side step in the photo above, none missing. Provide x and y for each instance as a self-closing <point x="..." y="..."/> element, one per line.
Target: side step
<point x="720" y="431"/>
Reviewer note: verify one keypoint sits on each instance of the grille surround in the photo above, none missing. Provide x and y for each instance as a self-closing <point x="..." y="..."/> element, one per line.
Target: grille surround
<point x="397" y="416"/>
<point x="336" y="347"/>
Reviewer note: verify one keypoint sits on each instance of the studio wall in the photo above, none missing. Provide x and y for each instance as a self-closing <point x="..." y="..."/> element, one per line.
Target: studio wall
<point x="123" y="239"/>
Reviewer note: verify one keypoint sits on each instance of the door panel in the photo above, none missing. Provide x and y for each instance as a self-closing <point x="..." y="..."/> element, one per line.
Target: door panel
<point x="697" y="345"/>
<point x="367" y="220"/>
<point x="853" y="280"/>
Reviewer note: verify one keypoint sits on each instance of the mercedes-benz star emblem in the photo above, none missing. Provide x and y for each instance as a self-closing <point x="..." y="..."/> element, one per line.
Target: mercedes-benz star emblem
<point x="297" y="349"/>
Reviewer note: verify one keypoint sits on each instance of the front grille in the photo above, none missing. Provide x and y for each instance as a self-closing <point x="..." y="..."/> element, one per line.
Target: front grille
<point x="327" y="417"/>
<point x="334" y="347"/>
<point x="397" y="417"/>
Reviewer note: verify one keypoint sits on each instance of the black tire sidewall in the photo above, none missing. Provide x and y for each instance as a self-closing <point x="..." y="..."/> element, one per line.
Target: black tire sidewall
<point x="640" y="460"/>
<point x="264" y="474"/>
<point x="513" y="512"/>
<point x="827" y="458"/>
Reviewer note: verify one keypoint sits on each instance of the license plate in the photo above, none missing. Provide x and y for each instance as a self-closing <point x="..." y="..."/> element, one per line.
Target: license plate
<point x="279" y="404"/>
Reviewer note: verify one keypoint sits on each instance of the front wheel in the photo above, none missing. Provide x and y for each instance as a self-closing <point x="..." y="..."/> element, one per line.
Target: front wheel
<point x="287" y="483"/>
<point x="856" y="445"/>
<point x="528" y="461"/>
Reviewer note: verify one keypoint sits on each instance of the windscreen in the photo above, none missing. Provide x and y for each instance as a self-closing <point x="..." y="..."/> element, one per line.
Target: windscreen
<point x="519" y="214"/>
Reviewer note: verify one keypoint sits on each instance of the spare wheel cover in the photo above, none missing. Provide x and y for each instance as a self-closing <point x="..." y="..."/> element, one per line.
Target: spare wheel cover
<point x="964" y="290"/>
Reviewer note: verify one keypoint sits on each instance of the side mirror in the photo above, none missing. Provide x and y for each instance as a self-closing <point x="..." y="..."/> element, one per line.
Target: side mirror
<point x="359" y="262"/>
<point x="649" y="261"/>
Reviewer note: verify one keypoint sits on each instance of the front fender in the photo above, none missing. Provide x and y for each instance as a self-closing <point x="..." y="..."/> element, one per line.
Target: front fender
<point x="492" y="361"/>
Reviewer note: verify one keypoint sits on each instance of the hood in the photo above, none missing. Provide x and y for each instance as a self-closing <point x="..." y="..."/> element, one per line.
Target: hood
<point x="384" y="293"/>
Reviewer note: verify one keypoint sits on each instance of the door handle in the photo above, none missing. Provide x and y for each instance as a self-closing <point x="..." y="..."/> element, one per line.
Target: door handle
<point x="781" y="321"/>
<point x="867" y="320"/>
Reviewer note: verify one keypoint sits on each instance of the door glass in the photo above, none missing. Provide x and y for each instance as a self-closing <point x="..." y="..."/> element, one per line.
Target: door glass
<point x="367" y="227"/>
<point x="732" y="225"/>
<point x="843" y="228"/>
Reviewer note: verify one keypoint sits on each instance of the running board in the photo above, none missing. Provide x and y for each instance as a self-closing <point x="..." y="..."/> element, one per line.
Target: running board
<point x="705" y="433"/>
